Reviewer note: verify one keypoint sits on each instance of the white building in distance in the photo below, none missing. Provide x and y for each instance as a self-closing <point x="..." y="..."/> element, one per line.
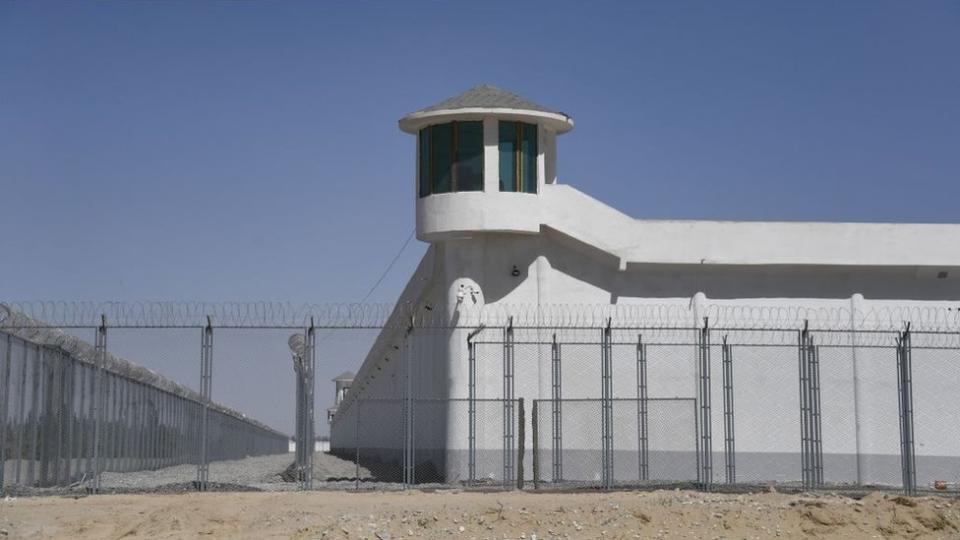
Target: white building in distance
<point x="508" y="239"/>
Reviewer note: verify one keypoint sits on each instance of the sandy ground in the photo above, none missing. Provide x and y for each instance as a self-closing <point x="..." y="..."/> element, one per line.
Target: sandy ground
<point x="452" y="514"/>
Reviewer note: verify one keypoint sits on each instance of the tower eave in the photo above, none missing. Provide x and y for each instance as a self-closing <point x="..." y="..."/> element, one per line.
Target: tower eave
<point x="412" y="123"/>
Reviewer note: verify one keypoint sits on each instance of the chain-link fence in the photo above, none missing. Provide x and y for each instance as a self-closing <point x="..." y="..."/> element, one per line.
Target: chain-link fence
<point x="396" y="443"/>
<point x="713" y="407"/>
<point x="652" y="442"/>
<point x="75" y="414"/>
<point x="547" y="404"/>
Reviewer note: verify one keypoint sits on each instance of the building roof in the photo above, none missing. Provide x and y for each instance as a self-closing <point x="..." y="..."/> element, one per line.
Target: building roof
<point x="345" y="376"/>
<point x="487" y="99"/>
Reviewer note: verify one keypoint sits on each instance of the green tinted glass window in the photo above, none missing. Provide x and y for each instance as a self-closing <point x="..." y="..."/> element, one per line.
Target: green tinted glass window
<point x="508" y="156"/>
<point x="518" y="157"/>
<point x="528" y="159"/>
<point x="441" y="158"/>
<point x="469" y="167"/>
<point x="424" y="151"/>
<point x="451" y="158"/>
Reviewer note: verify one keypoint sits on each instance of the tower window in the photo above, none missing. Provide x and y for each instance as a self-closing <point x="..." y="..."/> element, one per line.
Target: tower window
<point x="451" y="158"/>
<point x="518" y="157"/>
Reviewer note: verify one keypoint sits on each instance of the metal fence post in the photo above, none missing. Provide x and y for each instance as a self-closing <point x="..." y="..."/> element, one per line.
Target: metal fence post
<point x="803" y="381"/>
<point x="409" y="453"/>
<point x="815" y="413"/>
<point x="536" y="444"/>
<point x="810" y="426"/>
<point x="706" y="444"/>
<point x="905" y="386"/>
<point x="643" y="444"/>
<point x="472" y="404"/>
<point x="606" y="405"/>
<point x="206" y="378"/>
<point x="508" y="403"/>
<point x="471" y="409"/>
<point x="97" y="398"/>
<point x="311" y="360"/>
<point x="729" y="438"/>
<point x="298" y="372"/>
<point x="521" y="439"/>
<point x="556" y="406"/>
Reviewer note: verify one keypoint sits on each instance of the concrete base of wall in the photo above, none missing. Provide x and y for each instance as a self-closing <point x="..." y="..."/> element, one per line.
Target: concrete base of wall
<point x="584" y="467"/>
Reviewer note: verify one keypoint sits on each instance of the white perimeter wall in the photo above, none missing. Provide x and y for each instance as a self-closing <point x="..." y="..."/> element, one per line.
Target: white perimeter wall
<point x="554" y="269"/>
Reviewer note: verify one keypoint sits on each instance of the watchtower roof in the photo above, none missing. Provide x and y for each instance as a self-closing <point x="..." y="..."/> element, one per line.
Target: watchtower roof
<point x="486" y="99"/>
<point x="489" y="97"/>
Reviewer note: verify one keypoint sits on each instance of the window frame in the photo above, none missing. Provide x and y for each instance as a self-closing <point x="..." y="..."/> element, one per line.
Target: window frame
<point x="426" y="174"/>
<point x="518" y="158"/>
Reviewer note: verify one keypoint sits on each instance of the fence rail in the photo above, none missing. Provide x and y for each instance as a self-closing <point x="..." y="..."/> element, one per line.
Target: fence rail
<point x="845" y="315"/>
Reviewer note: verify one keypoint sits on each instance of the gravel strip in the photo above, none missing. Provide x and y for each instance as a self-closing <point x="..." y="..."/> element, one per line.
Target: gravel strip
<point x="259" y="473"/>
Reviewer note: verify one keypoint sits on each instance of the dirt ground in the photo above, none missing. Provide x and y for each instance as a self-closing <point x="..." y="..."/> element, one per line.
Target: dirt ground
<point x="452" y="514"/>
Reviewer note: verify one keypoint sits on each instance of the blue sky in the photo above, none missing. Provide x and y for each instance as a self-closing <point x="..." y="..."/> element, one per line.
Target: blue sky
<point x="249" y="150"/>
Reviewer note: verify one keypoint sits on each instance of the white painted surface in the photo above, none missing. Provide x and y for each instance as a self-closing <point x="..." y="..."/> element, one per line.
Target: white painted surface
<point x="554" y="121"/>
<point x="571" y="249"/>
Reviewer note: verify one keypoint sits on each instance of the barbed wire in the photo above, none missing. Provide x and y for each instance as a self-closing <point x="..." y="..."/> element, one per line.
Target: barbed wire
<point x="173" y="314"/>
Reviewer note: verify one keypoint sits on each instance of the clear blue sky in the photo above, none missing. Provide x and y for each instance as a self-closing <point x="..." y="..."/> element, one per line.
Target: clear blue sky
<point x="249" y="150"/>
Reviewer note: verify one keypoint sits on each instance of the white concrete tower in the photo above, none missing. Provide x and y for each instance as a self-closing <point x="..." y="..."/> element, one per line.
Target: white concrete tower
<point x="482" y="159"/>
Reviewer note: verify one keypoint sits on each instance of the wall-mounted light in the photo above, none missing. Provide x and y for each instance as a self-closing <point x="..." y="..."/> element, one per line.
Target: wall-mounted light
<point x="515" y="272"/>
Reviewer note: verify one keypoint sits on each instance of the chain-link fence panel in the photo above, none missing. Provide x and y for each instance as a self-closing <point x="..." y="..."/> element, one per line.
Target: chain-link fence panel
<point x="654" y="442"/>
<point x="838" y="397"/>
<point x="878" y="413"/>
<point x="251" y="370"/>
<point x="936" y="377"/>
<point x="671" y="369"/>
<point x="397" y="443"/>
<point x="151" y="435"/>
<point x="76" y="414"/>
<point x="568" y="435"/>
<point x="493" y="456"/>
<point x="581" y="376"/>
<point x="767" y="413"/>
